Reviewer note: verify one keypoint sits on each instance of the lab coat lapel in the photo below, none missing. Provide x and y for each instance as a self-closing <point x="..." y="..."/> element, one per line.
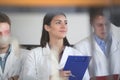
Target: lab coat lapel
<point x="64" y="58"/>
<point x="114" y="46"/>
<point x="1" y="71"/>
<point x="97" y="49"/>
<point x="9" y="63"/>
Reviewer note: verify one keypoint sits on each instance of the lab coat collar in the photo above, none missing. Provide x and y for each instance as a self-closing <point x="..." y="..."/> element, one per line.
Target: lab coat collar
<point x="11" y="58"/>
<point x="16" y="47"/>
<point x="96" y="46"/>
<point x="46" y="50"/>
<point x="67" y="51"/>
<point x="9" y="62"/>
<point x="115" y="45"/>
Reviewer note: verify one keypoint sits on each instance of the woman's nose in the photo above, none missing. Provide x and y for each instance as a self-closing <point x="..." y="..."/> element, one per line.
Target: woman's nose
<point x="64" y="25"/>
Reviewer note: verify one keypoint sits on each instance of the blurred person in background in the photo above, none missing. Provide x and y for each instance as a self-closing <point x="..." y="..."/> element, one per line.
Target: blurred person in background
<point x="10" y="58"/>
<point x="103" y="46"/>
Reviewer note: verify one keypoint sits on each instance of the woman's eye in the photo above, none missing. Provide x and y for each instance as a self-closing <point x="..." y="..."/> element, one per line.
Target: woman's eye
<point x="57" y="22"/>
<point x="66" y="23"/>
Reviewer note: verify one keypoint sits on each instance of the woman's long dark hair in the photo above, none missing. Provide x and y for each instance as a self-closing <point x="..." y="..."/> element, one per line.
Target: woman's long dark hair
<point x="45" y="35"/>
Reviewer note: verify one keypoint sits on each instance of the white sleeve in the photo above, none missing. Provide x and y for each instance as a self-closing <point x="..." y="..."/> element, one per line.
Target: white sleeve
<point x="28" y="71"/>
<point x="81" y="48"/>
<point x="86" y="75"/>
<point x="84" y="47"/>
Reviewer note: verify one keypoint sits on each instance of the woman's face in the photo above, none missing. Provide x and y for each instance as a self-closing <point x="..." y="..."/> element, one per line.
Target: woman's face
<point x="58" y="27"/>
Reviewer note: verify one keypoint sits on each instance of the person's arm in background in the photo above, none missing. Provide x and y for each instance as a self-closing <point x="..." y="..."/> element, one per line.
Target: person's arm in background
<point x="83" y="48"/>
<point x="28" y="67"/>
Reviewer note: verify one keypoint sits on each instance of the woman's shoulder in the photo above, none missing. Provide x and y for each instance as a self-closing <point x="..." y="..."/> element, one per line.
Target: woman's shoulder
<point x="72" y="50"/>
<point x="37" y="49"/>
<point x="35" y="52"/>
<point x="85" y="40"/>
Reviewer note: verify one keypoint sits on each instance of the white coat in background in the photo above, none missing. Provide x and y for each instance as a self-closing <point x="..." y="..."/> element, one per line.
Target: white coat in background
<point x="116" y="31"/>
<point x="12" y="66"/>
<point x="100" y="64"/>
<point x="37" y="65"/>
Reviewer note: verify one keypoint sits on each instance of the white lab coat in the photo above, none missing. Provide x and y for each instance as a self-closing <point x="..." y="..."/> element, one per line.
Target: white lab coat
<point x="116" y="31"/>
<point x="37" y="65"/>
<point x="12" y="66"/>
<point x="100" y="64"/>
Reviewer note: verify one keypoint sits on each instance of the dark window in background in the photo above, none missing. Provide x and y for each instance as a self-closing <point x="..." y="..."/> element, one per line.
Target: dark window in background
<point x="115" y="16"/>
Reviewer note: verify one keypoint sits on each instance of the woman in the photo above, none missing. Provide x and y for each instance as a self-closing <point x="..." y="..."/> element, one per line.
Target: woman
<point x="39" y="64"/>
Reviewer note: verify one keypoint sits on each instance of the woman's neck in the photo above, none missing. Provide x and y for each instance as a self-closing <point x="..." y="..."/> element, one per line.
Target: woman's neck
<point x="56" y="44"/>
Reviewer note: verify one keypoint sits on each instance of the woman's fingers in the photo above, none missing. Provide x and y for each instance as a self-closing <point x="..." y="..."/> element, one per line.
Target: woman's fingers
<point x="65" y="73"/>
<point x="13" y="78"/>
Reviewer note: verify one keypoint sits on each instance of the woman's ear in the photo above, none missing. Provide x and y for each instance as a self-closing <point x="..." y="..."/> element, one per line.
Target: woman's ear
<point x="47" y="28"/>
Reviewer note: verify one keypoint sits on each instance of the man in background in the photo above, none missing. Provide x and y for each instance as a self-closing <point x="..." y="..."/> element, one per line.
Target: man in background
<point x="102" y="46"/>
<point x="10" y="59"/>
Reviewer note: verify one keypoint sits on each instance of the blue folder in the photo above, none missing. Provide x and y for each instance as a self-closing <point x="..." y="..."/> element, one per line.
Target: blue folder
<point x="77" y="65"/>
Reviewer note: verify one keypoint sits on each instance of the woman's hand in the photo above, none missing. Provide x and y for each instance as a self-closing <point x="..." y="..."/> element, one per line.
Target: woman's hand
<point x="13" y="78"/>
<point x="65" y="74"/>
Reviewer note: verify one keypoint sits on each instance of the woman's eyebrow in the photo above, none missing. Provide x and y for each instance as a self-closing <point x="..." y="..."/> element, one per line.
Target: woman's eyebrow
<point x="59" y="20"/>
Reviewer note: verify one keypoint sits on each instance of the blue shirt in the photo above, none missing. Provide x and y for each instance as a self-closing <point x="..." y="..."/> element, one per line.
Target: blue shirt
<point x="104" y="45"/>
<point x="3" y="60"/>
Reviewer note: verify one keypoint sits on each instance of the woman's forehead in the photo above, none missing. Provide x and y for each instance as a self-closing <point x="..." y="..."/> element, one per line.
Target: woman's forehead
<point x="59" y="17"/>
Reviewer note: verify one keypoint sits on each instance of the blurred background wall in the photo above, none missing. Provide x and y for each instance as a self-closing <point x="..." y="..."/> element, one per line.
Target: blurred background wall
<point x="27" y="17"/>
